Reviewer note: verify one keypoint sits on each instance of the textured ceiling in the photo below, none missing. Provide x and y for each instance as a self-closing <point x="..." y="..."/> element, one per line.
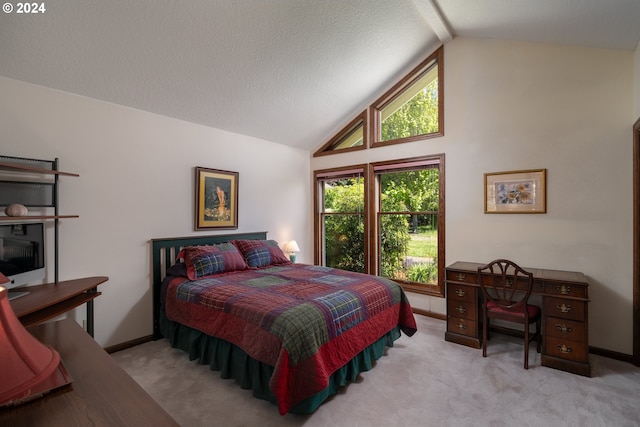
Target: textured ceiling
<point x="287" y="71"/>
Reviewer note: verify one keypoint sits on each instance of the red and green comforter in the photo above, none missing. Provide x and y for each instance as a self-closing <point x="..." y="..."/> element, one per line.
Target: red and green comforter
<point x="306" y="321"/>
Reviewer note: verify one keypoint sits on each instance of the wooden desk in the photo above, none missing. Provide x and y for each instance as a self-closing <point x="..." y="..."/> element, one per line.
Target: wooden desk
<point x="565" y="298"/>
<point x="101" y="394"/>
<point x="50" y="300"/>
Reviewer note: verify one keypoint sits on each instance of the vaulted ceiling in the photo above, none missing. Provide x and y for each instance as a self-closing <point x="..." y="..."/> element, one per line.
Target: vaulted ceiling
<point x="287" y="71"/>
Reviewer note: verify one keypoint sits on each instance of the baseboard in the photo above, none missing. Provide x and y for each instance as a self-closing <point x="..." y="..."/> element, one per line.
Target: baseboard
<point x="128" y="344"/>
<point x="429" y="313"/>
<point x="611" y="354"/>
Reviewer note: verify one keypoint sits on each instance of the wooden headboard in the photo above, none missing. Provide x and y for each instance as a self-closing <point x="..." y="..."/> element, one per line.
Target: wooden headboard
<point x="163" y="256"/>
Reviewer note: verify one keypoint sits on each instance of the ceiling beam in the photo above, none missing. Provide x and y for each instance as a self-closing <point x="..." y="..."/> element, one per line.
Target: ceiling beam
<point x="434" y="18"/>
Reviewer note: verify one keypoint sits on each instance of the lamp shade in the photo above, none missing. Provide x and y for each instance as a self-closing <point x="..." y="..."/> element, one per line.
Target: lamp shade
<point x="291" y="246"/>
<point x="25" y="363"/>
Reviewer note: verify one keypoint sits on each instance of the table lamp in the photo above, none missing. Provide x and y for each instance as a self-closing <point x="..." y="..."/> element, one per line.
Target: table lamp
<point x="291" y="247"/>
<point x="26" y="364"/>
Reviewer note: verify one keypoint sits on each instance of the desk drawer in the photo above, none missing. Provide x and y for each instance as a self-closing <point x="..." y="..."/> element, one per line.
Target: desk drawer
<point x="564" y="308"/>
<point x="566" y="289"/>
<point x="461" y="276"/>
<point x="461" y="293"/>
<point x="462" y="326"/>
<point x="566" y="349"/>
<point x="463" y="309"/>
<point x="564" y="329"/>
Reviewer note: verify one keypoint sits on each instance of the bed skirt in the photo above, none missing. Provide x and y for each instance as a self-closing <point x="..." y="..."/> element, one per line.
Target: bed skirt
<point x="250" y="374"/>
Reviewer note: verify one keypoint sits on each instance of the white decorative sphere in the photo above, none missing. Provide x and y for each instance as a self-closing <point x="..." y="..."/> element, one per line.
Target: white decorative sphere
<point x="16" y="209"/>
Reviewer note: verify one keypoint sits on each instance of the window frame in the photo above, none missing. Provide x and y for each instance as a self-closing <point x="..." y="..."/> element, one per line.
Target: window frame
<point x="375" y="111"/>
<point x="371" y="213"/>
<point x="330" y="147"/>
<point x="374" y="193"/>
<point x="318" y="208"/>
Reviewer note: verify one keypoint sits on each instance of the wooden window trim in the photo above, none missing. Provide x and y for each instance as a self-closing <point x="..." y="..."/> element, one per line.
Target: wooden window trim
<point x="371" y="214"/>
<point x="360" y="120"/>
<point x="374" y="255"/>
<point x="377" y="107"/>
<point x="318" y="204"/>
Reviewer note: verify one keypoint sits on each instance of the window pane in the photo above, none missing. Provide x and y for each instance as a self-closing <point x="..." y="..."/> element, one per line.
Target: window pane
<point x="344" y="242"/>
<point x="409" y="247"/>
<point x="414" y="111"/>
<point x="413" y="191"/>
<point x="344" y="194"/>
<point x="353" y="139"/>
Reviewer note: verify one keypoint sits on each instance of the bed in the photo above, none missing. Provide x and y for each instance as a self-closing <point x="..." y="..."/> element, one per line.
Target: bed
<point x="292" y="333"/>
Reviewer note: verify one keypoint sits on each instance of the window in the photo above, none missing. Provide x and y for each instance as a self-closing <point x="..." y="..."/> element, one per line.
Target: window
<point x="341" y="219"/>
<point x="413" y="109"/>
<point x="351" y="138"/>
<point x="386" y="218"/>
<point x="410" y="222"/>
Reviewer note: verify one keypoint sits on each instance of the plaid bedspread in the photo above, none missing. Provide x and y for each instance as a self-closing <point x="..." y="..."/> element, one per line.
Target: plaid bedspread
<point x="306" y="321"/>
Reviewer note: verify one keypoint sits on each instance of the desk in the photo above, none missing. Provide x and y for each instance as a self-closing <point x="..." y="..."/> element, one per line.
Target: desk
<point x="565" y="299"/>
<point x="45" y="302"/>
<point x="101" y="394"/>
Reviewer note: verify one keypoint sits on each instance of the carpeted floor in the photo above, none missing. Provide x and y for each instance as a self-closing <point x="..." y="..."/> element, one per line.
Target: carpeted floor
<point x="421" y="381"/>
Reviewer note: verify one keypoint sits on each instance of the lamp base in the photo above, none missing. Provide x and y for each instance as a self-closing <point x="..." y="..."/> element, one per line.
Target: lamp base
<point x="292" y="257"/>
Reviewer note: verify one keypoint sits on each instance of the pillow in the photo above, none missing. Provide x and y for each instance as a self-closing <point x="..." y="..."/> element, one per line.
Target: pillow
<point x="177" y="270"/>
<point x="202" y="261"/>
<point x="261" y="253"/>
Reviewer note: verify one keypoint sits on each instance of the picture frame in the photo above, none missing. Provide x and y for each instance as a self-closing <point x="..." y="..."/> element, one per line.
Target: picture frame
<point x="520" y="191"/>
<point x="216" y="201"/>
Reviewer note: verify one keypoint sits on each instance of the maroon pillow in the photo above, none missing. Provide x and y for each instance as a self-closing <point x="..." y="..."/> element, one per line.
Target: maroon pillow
<point x="203" y="261"/>
<point x="261" y="253"/>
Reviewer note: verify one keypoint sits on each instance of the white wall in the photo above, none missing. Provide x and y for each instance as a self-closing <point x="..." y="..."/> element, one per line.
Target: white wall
<point x="511" y="106"/>
<point x="137" y="183"/>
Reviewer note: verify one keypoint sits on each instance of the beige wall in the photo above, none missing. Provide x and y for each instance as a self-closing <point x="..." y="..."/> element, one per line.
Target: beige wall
<point x="137" y="183"/>
<point x="513" y="105"/>
<point x="509" y="105"/>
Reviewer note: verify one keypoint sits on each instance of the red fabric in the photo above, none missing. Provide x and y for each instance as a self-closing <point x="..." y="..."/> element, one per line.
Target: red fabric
<point x="290" y="383"/>
<point x="532" y="309"/>
<point x="233" y="259"/>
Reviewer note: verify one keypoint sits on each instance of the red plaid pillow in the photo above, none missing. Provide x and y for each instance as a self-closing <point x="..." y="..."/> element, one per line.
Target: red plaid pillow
<point x="261" y="253"/>
<point x="202" y="261"/>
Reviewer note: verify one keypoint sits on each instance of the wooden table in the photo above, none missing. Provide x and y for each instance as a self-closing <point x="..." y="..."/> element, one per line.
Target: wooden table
<point x="101" y="394"/>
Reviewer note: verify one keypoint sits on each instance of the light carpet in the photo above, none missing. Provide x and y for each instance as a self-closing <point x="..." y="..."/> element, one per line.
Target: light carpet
<point x="421" y="381"/>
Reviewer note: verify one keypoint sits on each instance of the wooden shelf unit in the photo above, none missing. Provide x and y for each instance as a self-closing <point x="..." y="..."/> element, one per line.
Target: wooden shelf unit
<point x="35" y="217"/>
<point x="47" y="301"/>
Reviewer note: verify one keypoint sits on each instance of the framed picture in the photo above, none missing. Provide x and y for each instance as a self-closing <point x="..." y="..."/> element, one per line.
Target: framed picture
<point x="216" y="199"/>
<point x="522" y="191"/>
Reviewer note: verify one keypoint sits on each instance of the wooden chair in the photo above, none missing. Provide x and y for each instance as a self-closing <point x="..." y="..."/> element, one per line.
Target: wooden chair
<point x="506" y="288"/>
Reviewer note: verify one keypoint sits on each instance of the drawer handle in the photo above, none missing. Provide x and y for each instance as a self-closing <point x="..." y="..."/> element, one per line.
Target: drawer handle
<point x="564" y="349"/>
<point x="564" y="308"/>
<point x="460" y="292"/>
<point x="563" y="328"/>
<point x="564" y="290"/>
<point x="461" y="325"/>
<point x="461" y="276"/>
<point x="460" y="309"/>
